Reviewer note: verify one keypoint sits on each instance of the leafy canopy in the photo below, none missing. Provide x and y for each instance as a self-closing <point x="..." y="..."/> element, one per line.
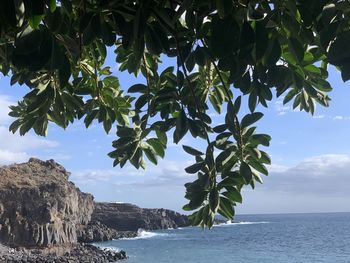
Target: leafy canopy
<point x="222" y="49"/>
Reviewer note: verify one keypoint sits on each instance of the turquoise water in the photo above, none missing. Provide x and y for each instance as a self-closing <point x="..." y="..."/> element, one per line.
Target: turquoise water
<point x="257" y="239"/>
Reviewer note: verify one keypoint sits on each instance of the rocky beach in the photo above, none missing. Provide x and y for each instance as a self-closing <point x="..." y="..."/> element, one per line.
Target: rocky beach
<point x="45" y="218"/>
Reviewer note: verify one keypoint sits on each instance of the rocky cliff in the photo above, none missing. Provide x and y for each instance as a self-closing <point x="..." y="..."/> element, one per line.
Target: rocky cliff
<point x="38" y="205"/>
<point x="129" y="217"/>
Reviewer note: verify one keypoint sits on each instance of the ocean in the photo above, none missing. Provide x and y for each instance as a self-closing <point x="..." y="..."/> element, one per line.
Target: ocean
<point x="323" y="237"/>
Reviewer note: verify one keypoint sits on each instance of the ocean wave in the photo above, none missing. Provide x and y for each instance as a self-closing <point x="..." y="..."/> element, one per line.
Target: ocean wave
<point x="107" y="248"/>
<point x="229" y="223"/>
<point x="143" y="234"/>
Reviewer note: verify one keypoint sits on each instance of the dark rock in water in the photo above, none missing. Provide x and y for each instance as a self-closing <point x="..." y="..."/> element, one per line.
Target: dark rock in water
<point x="75" y="254"/>
<point x="96" y="232"/>
<point x="129" y="217"/>
<point x="39" y="206"/>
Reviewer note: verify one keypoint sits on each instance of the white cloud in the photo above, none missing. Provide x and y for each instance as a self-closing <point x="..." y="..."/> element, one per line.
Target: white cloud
<point x="13" y="147"/>
<point x="282" y="109"/>
<point x="164" y="172"/>
<point x="319" y="116"/>
<point x="8" y="157"/>
<point x="319" y="175"/>
<point x="15" y="142"/>
<point x="304" y="187"/>
<point x="5" y="102"/>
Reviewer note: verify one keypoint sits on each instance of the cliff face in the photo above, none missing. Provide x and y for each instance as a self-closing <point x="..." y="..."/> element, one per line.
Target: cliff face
<point x="129" y="217"/>
<point x="39" y="206"/>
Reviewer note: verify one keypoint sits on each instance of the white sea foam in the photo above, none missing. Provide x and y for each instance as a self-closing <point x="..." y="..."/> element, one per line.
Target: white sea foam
<point x="113" y="249"/>
<point x="142" y="234"/>
<point x="230" y="223"/>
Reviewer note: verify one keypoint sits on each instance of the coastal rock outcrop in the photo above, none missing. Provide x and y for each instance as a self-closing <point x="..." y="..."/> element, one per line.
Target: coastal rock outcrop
<point x="79" y="253"/>
<point x="129" y="217"/>
<point x="39" y="207"/>
<point x="97" y="232"/>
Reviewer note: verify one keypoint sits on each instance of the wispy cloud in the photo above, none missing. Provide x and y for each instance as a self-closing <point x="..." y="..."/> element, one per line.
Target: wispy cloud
<point x="339" y="117"/>
<point x="5" y="102"/>
<point x="319" y="175"/>
<point x="282" y="109"/>
<point x="13" y="147"/>
<point x="164" y="171"/>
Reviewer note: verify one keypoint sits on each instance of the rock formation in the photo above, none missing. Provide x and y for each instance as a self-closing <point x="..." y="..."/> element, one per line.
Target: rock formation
<point x="39" y="206"/>
<point x="43" y="216"/>
<point x="129" y="217"/>
<point x="97" y="232"/>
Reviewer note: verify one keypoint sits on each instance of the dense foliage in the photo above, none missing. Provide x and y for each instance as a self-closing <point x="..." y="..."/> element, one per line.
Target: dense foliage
<point x="221" y="49"/>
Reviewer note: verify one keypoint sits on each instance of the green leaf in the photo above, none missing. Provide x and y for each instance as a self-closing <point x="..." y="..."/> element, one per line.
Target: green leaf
<point x="296" y="49"/>
<point x="141" y="88"/>
<point x="233" y="194"/>
<point x="157" y="146"/>
<point x="251" y="118"/>
<point x="214" y="200"/>
<point x="252" y="102"/>
<point x="195" y="167"/>
<point x="312" y="69"/>
<point x="191" y="150"/>
<point x="262" y="139"/>
<point x="339" y="51"/>
<point x="220" y="128"/>
<point x="224" y="36"/>
<point x="259" y="167"/>
<point x="52" y="5"/>
<point x="226" y="208"/>
<point x="323" y="85"/>
<point x="224" y="7"/>
<point x="246" y="172"/>
<point x="181" y="126"/>
<point x="273" y="53"/>
<point x="234" y="109"/>
<point x="151" y="154"/>
<point x="34" y="21"/>
<point x="290" y="95"/>
<point x="162" y="137"/>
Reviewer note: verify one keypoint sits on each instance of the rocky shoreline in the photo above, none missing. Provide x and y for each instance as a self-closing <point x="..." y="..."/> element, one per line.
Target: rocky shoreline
<point x="79" y="253"/>
<point x="45" y="218"/>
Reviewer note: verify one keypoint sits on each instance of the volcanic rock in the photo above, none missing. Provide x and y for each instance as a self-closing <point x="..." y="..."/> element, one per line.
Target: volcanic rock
<point x="39" y="207"/>
<point x="129" y="217"/>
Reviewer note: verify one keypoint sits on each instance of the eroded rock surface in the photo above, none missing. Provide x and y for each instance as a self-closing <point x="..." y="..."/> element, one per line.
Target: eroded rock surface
<point x="97" y="232"/>
<point x="39" y="206"/>
<point x="129" y="217"/>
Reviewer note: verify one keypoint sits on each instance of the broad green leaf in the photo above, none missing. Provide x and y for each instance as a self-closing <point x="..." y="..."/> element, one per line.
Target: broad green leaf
<point x="224" y="36"/>
<point x="138" y="88"/>
<point x="151" y="154"/>
<point x="181" y="126"/>
<point x="233" y="194"/>
<point x="246" y="172"/>
<point x="296" y="49"/>
<point x="273" y="53"/>
<point x="262" y="139"/>
<point x="191" y="150"/>
<point x="157" y="146"/>
<point x="251" y="118"/>
<point x="34" y="21"/>
<point x="214" y="200"/>
<point x="226" y="208"/>
<point x="195" y="168"/>
<point x="339" y="52"/>
<point x="290" y="95"/>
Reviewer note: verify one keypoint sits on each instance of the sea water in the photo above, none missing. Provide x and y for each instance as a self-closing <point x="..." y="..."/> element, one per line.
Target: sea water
<point x="253" y="239"/>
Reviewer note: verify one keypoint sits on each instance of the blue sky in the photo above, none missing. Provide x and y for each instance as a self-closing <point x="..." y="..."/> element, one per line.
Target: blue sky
<point x="310" y="170"/>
